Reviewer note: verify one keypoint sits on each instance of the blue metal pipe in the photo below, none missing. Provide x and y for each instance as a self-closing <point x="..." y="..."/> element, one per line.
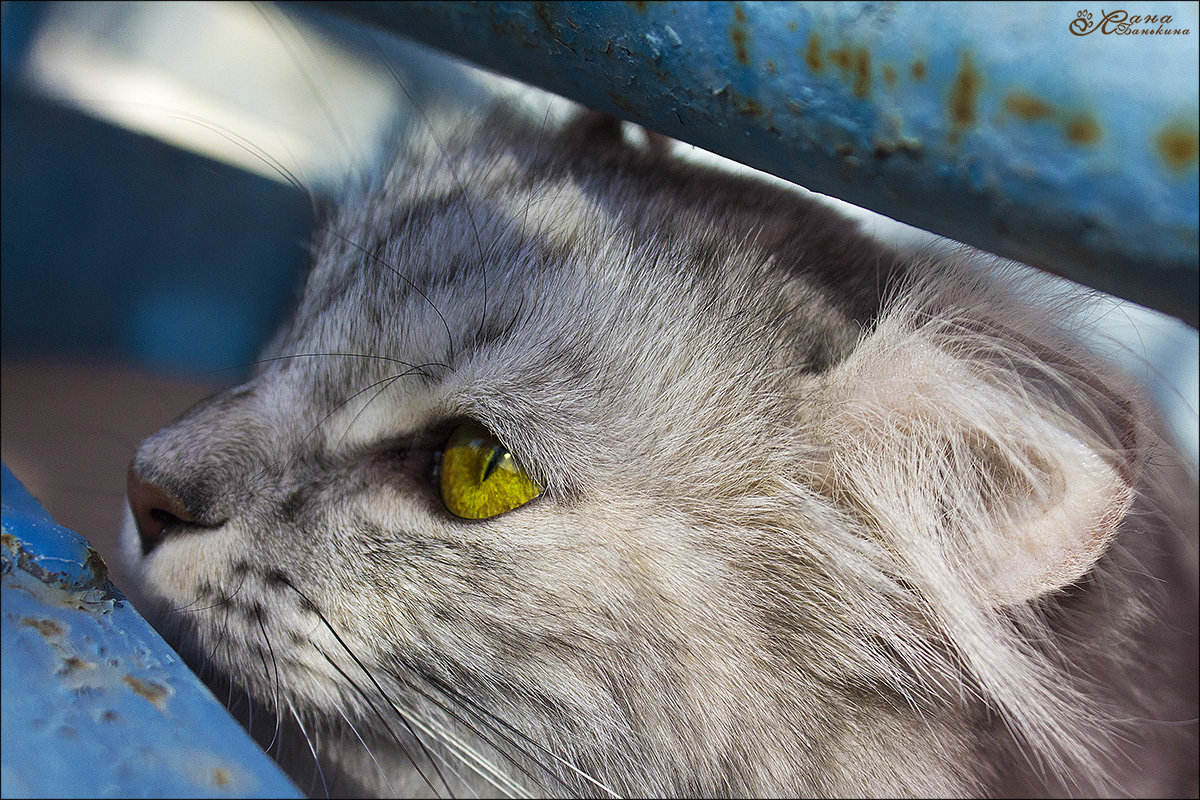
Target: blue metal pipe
<point x="1039" y="132"/>
<point x="95" y="703"/>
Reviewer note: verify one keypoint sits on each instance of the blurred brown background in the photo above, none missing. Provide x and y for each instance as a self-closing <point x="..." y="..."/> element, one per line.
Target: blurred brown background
<point x="69" y="430"/>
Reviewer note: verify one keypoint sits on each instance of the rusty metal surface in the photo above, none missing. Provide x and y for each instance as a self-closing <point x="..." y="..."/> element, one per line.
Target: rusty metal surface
<point x="1036" y="131"/>
<point x="95" y="703"/>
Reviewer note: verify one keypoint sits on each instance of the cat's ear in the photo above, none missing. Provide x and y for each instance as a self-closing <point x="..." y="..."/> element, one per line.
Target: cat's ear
<point x="968" y="455"/>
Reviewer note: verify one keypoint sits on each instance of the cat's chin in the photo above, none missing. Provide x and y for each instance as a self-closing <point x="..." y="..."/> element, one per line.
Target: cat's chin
<point x="130" y="573"/>
<point x="130" y="544"/>
<point x="271" y="721"/>
<point x="139" y="588"/>
<point x="321" y="751"/>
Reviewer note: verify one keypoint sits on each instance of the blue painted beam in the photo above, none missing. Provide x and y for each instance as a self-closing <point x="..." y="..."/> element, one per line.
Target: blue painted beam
<point x="1039" y="132"/>
<point x="95" y="703"/>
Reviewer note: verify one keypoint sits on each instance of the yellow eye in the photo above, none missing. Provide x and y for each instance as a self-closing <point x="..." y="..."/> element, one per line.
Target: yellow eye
<point x="479" y="477"/>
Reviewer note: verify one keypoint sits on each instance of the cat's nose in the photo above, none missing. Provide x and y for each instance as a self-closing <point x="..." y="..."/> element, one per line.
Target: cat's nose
<point x="158" y="511"/>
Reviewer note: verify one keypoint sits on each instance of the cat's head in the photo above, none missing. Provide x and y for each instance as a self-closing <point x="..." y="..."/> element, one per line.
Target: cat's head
<point x="602" y="463"/>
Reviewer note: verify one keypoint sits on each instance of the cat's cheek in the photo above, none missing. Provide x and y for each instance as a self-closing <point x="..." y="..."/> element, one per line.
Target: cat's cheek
<point x="130" y="544"/>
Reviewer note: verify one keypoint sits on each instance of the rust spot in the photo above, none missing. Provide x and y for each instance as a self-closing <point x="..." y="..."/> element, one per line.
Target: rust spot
<point x="919" y="69"/>
<point x="542" y="12"/>
<point x="72" y="663"/>
<point x="639" y="6"/>
<point x="793" y="26"/>
<point x="740" y="40"/>
<point x="1081" y="129"/>
<point x="511" y="30"/>
<point x="889" y="75"/>
<point x="1027" y="107"/>
<point x="740" y="35"/>
<point x="812" y="56"/>
<point x="1177" y="145"/>
<point x="771" y="67"/>
<point x="110" y="716"/>
<point x="843" y="150"/>
<point x="964" y="95"/>
<point x="841" y="57"/>
<point x="220" y="777"/>
<point x="862" y="74"/>
<point x="624" y="104"/>
<point x="95" y="563"/>
<point x="46" y="627"/>
<point x="750" y="107"/>
<point x="883" y="150"/>
<point x="156" y="693"/>
<point x="847" y="168"/>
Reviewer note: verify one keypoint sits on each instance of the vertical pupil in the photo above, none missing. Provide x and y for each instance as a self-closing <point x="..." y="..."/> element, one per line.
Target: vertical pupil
<point x="493" y="459"/>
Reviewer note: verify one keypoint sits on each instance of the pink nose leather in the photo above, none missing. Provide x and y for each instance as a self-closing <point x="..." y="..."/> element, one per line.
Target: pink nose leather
<point x="154" y="508"/>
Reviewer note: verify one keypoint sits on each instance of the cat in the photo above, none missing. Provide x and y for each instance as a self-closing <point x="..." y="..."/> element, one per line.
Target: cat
<point x="583" y="470"/>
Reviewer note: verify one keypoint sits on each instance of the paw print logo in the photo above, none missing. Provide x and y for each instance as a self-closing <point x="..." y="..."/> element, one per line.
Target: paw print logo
<point x="1082" y="24"/>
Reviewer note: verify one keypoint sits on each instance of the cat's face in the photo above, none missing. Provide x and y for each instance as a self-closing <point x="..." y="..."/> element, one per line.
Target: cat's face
<point x="706" y="593"/>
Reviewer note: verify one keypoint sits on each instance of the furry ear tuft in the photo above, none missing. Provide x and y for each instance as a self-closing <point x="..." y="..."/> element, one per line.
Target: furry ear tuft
<point x="947" y="445"/>
<point x="593" y="133"/>
<point x="594" y="130"/>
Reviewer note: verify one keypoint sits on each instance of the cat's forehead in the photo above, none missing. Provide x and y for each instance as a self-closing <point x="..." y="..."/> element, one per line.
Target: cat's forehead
<point x="451" y="254"/>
